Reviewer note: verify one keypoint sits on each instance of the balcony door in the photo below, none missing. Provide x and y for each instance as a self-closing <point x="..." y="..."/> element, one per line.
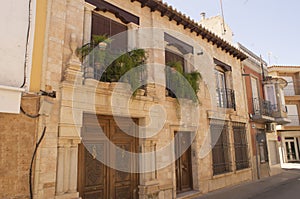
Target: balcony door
<point x="255" y="96"/>
<point x="271" y="96"/>
<point x="221" y="89"/>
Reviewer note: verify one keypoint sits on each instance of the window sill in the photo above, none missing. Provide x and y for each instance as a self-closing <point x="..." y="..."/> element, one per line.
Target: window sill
<point x="222" y="175"/>
<point x="243" y="170"/>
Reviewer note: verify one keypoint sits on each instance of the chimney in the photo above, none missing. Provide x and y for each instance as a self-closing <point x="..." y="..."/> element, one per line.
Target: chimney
<point x="202" y="14"/>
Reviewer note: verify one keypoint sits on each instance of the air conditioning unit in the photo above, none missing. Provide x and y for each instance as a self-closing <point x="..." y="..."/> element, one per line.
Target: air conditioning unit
<point x="270" y="127"/>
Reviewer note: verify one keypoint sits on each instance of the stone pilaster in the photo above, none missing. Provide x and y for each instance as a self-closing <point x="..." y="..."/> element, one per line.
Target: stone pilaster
<point x="66" y="180"/>
<point x="88" y="8"/>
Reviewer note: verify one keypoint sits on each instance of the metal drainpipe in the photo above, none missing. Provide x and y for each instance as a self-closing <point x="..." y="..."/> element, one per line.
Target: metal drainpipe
<point x="256" y="157"/>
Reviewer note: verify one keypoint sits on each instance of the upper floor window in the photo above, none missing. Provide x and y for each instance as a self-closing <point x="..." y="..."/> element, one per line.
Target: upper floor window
<point x="224" y="94"/>
<point x="104" y="26"/>
<point x="172" y="58"/>
<point x="179" y="59"/>
<point x="293" y="115"/>
<point x="289" y="90"/>
<point x="271" y="96"/>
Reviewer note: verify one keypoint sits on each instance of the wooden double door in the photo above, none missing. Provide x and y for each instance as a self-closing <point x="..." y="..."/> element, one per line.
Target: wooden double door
<point x="105" y="181"/>
<point x="183" y="164"/>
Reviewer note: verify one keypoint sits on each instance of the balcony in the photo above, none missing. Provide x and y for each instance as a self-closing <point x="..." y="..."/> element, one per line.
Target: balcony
<point x="262" y="111"/>
<point x="225" y="98"/>
<point x="280" y="114"/>
<point x="109" y="65"/>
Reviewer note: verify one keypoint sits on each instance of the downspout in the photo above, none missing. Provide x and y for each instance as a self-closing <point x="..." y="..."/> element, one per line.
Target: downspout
<point x="256" y="155"/>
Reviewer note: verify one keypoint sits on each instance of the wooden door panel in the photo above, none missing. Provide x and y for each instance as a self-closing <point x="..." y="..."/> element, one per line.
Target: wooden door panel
<point x="94" y="171"/>
<point x="123" y="183"/>
<point x="123" y="192"/>
<point x="94" y="195"/>
<point x="97" y="180"/>
<point x="183" y="163"/>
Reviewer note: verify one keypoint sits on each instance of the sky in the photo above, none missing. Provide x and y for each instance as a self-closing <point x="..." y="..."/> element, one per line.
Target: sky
<point x="270" y="28"/>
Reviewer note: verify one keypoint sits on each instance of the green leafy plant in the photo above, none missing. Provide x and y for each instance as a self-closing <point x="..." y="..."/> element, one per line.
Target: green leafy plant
<point x="177" y="81"/>
<point x="117" y="66"/>
<point x="87" y="48"/>
<point x="124" y="63"/>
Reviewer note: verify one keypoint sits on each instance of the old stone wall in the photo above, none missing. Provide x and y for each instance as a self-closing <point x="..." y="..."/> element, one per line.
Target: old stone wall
<point x="18" y="136"/>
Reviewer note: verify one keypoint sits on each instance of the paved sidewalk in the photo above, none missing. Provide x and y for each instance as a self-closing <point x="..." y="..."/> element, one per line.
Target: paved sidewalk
<point x="253" y="188"/>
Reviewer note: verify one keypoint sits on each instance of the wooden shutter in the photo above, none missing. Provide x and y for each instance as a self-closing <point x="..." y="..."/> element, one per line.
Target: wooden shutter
<point x="100" y="25"/>
<point x="104" y="26"/>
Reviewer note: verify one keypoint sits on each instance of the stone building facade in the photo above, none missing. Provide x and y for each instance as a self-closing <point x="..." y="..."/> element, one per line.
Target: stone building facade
<point x="75" y="160"/>
<point x="289" y="133"/>
<point x="265" y="145"/>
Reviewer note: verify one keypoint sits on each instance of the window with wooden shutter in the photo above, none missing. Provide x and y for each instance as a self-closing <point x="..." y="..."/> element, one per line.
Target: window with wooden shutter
<point x="104" y="26"/>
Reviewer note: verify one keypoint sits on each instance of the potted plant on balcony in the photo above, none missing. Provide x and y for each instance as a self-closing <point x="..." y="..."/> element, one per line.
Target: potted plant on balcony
<point x="118" y="66"/>
<point x="177" y="80"/>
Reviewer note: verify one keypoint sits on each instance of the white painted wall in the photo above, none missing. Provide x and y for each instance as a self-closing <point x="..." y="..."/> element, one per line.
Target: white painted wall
<point x="13" y="24"/>
<point x="13" y="35"/>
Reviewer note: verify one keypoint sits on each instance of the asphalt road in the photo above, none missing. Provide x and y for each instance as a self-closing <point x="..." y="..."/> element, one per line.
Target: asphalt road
<point x="283" y="186"/>
<point x="288" y="190"/>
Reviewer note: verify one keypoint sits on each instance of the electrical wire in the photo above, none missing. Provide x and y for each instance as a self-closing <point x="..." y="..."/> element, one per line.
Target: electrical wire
<point x="32" y="160"/>
<point x="27" y="41"/>
<point x="31" y="116"/>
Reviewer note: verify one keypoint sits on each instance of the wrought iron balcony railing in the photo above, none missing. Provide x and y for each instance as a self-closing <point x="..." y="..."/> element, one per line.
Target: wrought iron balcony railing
<point x="262" y="107"/>
<point x="225" y="98"/>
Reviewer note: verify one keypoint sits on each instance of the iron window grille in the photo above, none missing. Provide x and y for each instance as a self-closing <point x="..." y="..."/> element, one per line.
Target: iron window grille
<point x="225" y="98"/>
<point x="240" y="146"/>
<point x="220" y="150"/>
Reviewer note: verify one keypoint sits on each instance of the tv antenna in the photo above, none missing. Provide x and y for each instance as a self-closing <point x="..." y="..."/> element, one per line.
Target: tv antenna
<point x="222" y="12"/>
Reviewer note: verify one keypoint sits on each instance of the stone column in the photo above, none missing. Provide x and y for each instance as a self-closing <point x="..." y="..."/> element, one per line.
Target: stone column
<point x="88" y="8"/>
<point x="66" y="167"/>
<point x="73" y="166"/>
<point x="148" y="183"/>
<point x="189" y="63"/>
<point x="132" y="36"/>
<point x="60" y="171"/>
<point x="66" y="183"/>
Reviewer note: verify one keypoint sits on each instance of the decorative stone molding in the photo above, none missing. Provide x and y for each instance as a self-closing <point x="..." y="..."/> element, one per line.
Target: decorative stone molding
<point x="67" y="167"/>
<point x="73" y="72"/>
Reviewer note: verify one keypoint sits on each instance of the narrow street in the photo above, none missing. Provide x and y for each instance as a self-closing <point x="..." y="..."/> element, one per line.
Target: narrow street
<point x="290" y="189"/>
<point x="284" y="185"/>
